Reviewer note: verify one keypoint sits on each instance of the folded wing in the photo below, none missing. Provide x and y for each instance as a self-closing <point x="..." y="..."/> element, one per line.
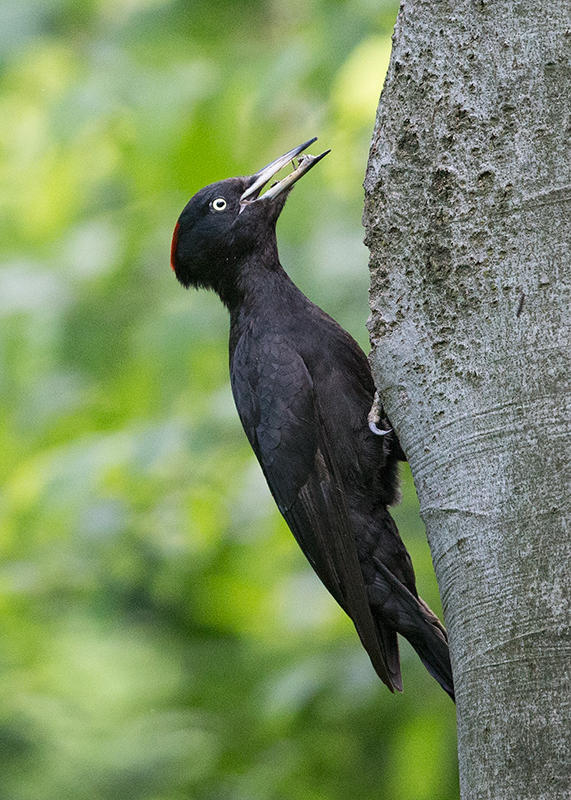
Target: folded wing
<point x="280" y="412"/>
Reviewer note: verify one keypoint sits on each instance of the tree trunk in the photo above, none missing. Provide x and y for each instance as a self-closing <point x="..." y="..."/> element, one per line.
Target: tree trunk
<point x="465" y="215"/>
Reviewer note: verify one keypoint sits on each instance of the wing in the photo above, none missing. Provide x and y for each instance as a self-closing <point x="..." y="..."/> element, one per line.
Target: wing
<point x="279" y="410"/>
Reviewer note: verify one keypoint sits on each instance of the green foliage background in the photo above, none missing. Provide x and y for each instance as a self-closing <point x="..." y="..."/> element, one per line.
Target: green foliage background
<point x="161" y="636"/>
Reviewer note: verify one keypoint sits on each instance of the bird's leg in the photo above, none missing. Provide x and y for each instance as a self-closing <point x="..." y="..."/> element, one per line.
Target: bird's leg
<point x="374" y="416"/>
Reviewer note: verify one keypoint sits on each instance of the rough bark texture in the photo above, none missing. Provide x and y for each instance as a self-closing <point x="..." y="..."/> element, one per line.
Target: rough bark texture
<point x="466" y="204"/>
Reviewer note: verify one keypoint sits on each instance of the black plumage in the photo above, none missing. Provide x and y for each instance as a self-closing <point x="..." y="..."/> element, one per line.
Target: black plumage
<point x="303" y="389"/>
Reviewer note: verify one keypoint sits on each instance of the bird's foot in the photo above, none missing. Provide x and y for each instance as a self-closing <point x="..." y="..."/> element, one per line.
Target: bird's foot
<point x="379" y="431"/>
<point x="374" y="416"/>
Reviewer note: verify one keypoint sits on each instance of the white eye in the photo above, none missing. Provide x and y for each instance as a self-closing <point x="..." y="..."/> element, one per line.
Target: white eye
<point x="219" y="204"/>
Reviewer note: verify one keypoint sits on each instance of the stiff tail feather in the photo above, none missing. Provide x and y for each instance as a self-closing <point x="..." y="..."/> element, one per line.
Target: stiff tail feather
<point x="431" y="643"/>
<point x="420" y="625"/>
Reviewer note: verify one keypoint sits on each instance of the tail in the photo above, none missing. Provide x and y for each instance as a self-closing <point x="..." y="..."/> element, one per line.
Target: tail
<point x="430" y="641"/>
<point x="419" y="624"/>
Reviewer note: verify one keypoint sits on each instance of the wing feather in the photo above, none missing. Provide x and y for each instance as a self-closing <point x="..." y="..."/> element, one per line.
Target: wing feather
<point x="280" y="412"/>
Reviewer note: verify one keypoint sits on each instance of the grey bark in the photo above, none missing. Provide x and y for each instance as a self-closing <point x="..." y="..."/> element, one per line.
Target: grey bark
<point x="466" y="204"/>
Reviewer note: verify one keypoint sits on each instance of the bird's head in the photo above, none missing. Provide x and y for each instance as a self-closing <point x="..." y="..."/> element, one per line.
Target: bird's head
<point x="226" y="221"/>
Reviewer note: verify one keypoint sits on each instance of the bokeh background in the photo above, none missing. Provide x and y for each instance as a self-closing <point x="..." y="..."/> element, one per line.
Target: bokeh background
<point x="161" y="636"/>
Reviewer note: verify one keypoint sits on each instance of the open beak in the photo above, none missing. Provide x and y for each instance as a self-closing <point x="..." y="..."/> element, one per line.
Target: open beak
<point x="259" y="180"/>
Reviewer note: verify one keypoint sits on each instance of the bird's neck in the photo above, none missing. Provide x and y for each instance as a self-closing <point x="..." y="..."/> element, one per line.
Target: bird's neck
<point x="255" y="281"/>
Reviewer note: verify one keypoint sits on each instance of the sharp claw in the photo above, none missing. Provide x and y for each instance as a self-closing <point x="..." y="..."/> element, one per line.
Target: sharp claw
<point x="374" y="416"/>
<point x="378" y="431"/>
